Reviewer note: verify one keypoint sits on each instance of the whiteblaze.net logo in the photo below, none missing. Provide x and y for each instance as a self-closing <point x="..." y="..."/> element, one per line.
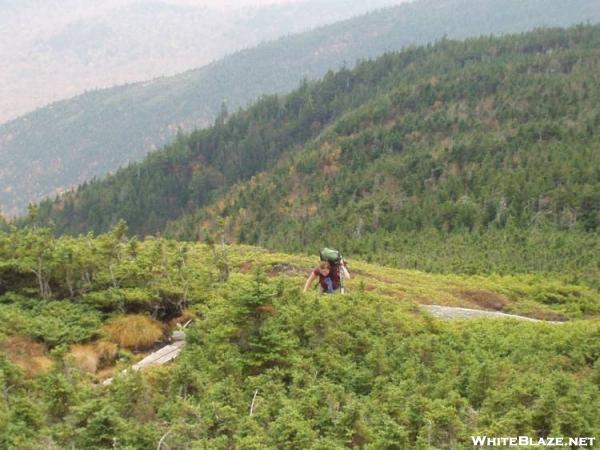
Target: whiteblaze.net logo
<point x="526" y="441"/>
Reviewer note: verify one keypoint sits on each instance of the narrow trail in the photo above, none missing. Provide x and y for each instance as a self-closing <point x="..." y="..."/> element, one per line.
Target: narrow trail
<point x="453" y="312"/>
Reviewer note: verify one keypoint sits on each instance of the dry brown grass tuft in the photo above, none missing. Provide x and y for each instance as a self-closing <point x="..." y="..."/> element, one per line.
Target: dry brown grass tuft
<point x="134" y="331"/>
<point x="93" y="356"/>
<point x="29" y="355"/>
<point x="84" y="357"/>
<point x="107" y="351"/>
<point x="108" y="372"/>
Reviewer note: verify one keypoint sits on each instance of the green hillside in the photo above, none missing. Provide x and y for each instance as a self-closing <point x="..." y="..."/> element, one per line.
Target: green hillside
<point x="478" y="156"/>
<point x="72" y="141"/>
<point x="501" y="153"/>
<point x="266" y="367"/>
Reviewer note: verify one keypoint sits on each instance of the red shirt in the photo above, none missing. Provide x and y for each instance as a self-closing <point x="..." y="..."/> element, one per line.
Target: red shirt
<point x="334" y="274"/>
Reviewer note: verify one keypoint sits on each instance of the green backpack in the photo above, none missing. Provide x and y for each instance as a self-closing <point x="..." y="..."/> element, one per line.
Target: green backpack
<point x="331" y="255"/>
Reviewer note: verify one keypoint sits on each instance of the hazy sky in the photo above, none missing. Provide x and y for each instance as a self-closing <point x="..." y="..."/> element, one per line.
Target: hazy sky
<point x="230" y="3"/>
<point x="54" y="49"/>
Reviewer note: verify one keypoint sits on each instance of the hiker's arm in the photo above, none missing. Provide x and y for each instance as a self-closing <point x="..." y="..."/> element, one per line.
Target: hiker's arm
<point x="309" y="282"/>
<point x="346" y="273"/>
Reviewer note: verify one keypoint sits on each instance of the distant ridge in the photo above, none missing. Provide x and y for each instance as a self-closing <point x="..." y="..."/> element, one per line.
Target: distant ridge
<point x="90" y="135"/>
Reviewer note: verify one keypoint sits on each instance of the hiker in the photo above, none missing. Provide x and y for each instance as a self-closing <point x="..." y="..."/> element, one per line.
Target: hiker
<point x="329" y="277"/>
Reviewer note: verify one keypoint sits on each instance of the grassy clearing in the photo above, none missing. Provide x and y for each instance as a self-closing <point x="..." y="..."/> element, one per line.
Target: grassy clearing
<point x="532" y="295"/>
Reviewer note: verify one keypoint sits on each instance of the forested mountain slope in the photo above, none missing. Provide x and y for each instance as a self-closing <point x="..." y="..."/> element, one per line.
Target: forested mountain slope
<point x="492" y="150"/>
<point x="488" y="140"/>
<point x="71" y="141"/>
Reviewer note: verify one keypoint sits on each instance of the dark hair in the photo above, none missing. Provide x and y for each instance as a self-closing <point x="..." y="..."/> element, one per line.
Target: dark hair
<point x="325" y="265"/>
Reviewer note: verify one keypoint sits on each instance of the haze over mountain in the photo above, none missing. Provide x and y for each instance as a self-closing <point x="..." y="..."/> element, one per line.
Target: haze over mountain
<point x="51" y="50"/>
<point x="69" y="142"/>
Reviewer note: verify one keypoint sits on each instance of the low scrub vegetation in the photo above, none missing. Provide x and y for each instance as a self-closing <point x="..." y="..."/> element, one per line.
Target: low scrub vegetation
<point x="265" y="366"/>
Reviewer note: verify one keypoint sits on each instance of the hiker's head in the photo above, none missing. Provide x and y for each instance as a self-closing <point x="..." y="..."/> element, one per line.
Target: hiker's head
<point x="324" y="268"/>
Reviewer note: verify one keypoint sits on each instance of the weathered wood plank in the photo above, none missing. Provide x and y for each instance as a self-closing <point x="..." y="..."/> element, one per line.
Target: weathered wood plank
<point x="158" y="358"/>
<point x="161" y="356"/>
